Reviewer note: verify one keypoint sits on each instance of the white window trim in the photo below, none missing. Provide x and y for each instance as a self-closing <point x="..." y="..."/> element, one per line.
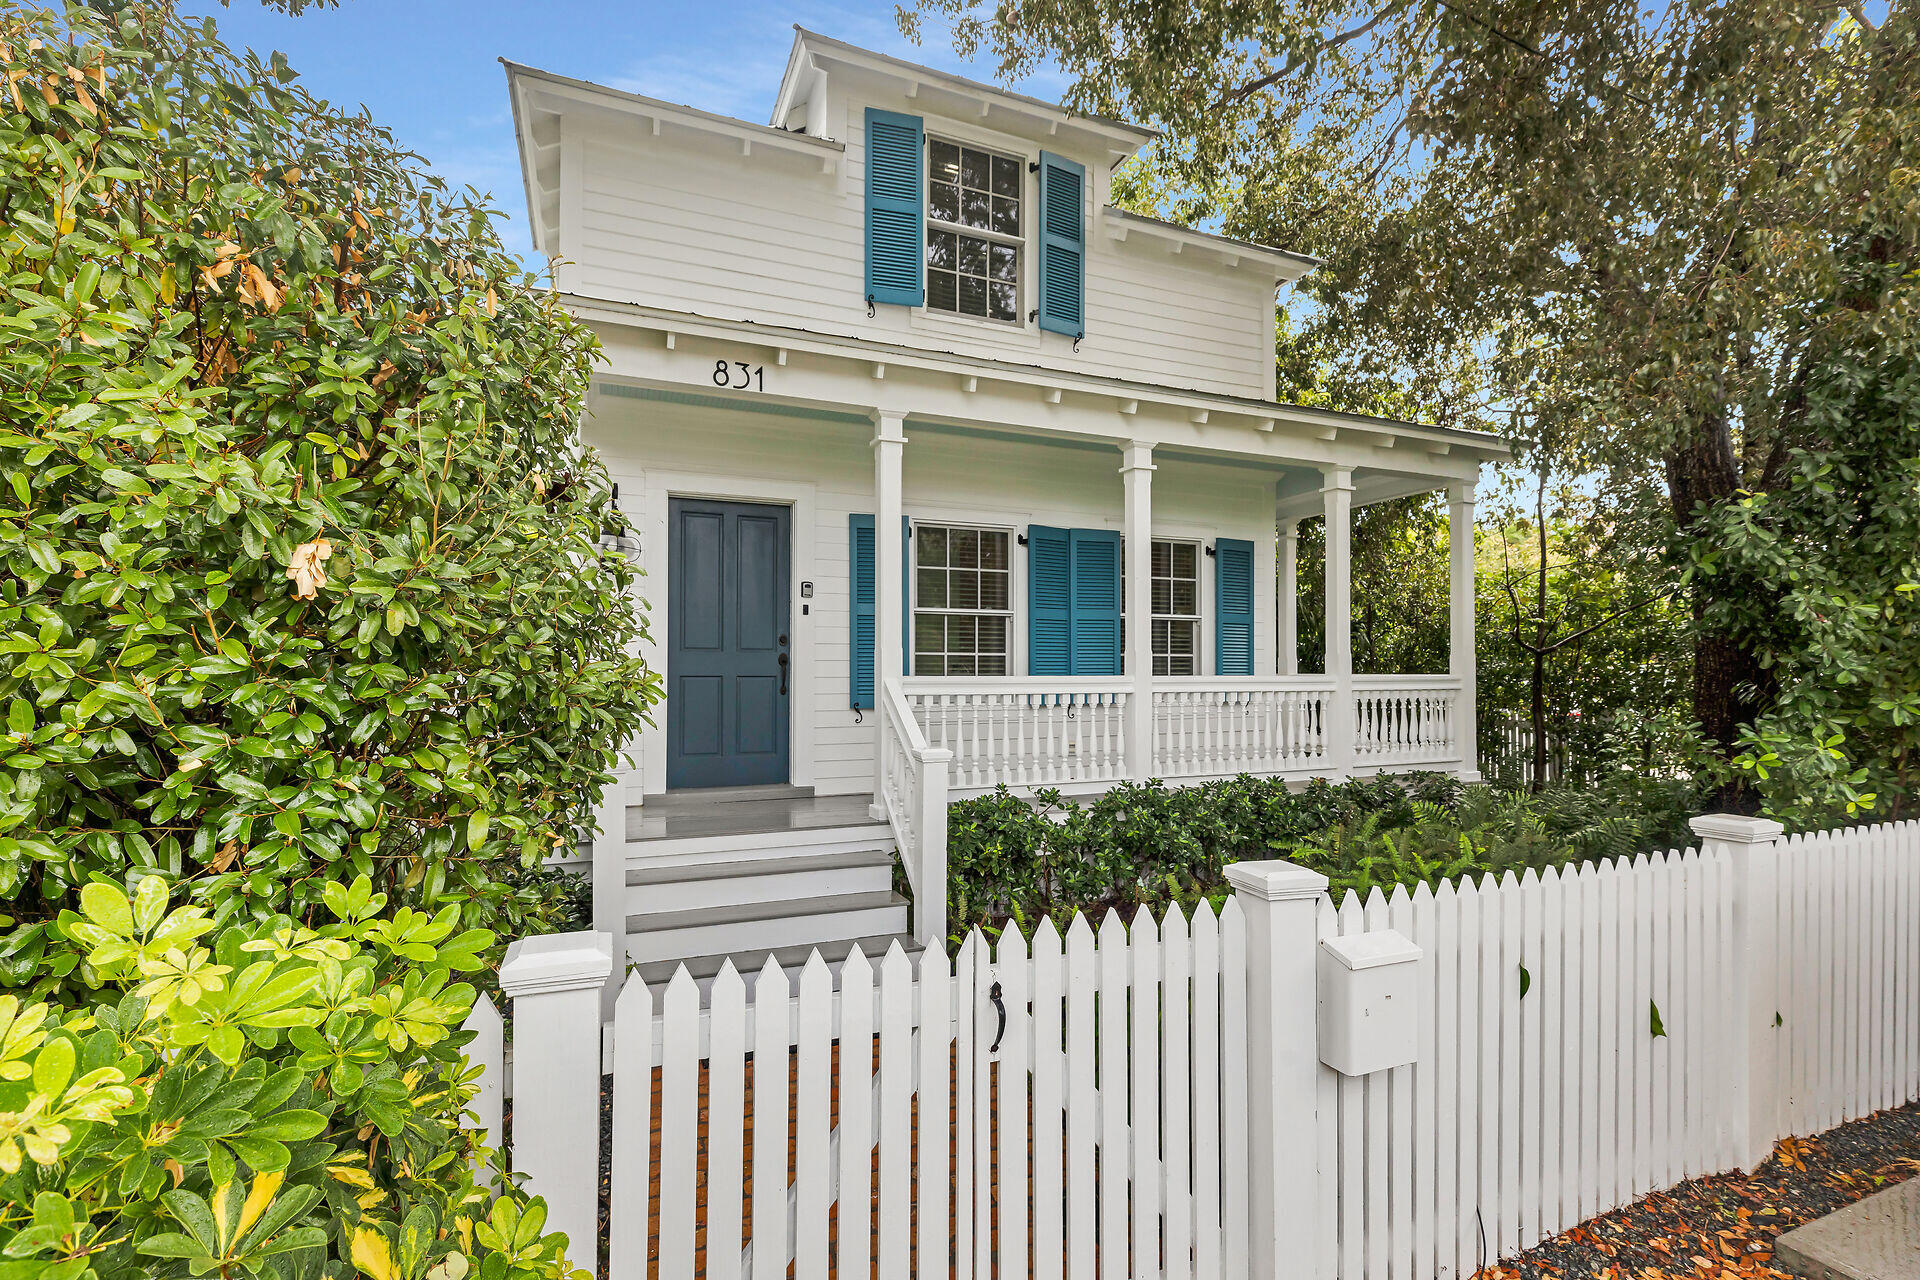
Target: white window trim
<point x="1016" y="595"/>
<point x="1026" y="281"/>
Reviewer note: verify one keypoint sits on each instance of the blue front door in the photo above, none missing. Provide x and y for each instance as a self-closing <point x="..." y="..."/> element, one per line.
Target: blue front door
<point x="728" y="657"/>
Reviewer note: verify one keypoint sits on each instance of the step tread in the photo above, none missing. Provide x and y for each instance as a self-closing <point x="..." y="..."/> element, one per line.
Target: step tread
<point x="788" y="864"/>
<point x="747" y="963"/>
<point x="749" y="912"/>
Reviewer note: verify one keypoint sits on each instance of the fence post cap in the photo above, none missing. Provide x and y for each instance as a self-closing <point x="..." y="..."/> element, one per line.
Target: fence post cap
<point x="1735" y="828"/>
<point x="556" y="962"/>
<point x="1276" y="880"/>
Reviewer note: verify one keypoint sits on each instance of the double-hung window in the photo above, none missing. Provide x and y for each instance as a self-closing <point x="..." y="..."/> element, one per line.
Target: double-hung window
<point x="1176" y="608"/>
<point x="962" y="601"/>
<point x="974" y="231"/>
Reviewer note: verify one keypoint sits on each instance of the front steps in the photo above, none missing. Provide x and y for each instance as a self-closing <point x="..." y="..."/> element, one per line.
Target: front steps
<point x="745" y="873"/>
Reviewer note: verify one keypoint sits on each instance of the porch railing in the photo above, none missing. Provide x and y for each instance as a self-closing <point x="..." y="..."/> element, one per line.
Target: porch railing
<point x="1406" y="721"/>
<point x="914" y="792"/>
<point x="1025" y="732"/>
<point x="1221" y="726"/>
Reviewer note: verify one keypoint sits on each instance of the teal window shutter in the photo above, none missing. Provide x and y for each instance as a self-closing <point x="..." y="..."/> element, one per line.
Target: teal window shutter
<point x="906" y="596"/>
<point x="1096" y="602"/>
<point x="896" y="208"/>
<point x="1233" y="607"/>
<point x="1073" y="602"/>
<point x="1063" y="245"/>
<point x="1049" y="602"/>
<point x="860" y="595"/>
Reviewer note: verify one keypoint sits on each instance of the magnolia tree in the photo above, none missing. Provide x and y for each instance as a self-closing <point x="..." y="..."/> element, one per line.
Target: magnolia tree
<point x="304" y="575"/>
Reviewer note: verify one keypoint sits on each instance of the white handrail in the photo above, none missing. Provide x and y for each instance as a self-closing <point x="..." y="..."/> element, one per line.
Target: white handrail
<point x="914" y="794"/>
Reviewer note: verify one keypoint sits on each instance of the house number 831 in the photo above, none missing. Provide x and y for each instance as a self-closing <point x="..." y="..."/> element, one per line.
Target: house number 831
<point x="739" y="375"/>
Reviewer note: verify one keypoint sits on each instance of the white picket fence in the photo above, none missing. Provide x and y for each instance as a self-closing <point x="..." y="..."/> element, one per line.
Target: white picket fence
<point x="1153" y="1104"/>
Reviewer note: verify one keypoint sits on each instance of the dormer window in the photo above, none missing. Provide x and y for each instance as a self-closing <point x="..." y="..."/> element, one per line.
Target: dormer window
<point x="974" y="231"/>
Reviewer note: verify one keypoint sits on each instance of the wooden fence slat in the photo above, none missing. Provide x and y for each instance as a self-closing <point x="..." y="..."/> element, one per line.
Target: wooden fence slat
<point x="1111" y="1079"/>
<point x="813" y="1076"/>
<point x="771" y="1031"/>
<point x="679" y="1114"/>
<point x="1143" y="947"/>
<point x="726" y="1115"/>
<point x="630" y="1182"/>
<point x="853" y="1213"/>
<point x="1177" y="1095"/>
<point x="1049" y="1157"/>
<point x="895" y="1219"/>
<point x="1010" y="1119"/>
<point x="1083" y="1119"/>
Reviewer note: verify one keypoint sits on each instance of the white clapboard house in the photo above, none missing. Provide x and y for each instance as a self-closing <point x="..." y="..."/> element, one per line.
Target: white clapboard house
<point x="947" y="473"/>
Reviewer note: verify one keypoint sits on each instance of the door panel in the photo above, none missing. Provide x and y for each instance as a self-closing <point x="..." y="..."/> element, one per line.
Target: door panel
<point x="727" y="647"/>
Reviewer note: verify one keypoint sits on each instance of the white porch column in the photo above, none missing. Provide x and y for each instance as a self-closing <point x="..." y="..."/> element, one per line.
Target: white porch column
<point x="1337" y="490"/>
<point x="1289" y="589"/>
<point x="889" y="446"/>
<point x="1461" y="661"/>
<point x="1136" y="474"/>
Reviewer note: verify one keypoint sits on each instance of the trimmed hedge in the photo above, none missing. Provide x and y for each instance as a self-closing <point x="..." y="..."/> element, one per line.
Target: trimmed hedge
<point x="1149" y="845"/>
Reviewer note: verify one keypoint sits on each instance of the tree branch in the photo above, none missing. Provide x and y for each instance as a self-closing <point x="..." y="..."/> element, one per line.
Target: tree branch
<point x="1297" y="59"/>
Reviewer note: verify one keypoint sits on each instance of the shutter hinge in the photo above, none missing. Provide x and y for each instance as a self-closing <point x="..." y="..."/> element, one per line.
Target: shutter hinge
<point x="1076" y="341"/>
<point x="869" y="306"/>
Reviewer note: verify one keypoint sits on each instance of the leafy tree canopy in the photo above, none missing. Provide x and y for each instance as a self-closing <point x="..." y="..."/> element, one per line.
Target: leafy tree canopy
<point x="303" y="566"/>
<point x="1649" y="234"/>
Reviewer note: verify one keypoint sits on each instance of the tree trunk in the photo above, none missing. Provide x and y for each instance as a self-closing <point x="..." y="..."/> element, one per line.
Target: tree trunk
<point x="1730" y="687"/>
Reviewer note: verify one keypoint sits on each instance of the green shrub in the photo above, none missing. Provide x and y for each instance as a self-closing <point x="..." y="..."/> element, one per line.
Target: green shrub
<point x="1150" y="845"/>
<point x="302" y="566"/>
<point x="267" y="1099"/>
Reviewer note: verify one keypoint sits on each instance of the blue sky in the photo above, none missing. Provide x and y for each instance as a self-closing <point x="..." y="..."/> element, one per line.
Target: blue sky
<point x="429" y="69"/>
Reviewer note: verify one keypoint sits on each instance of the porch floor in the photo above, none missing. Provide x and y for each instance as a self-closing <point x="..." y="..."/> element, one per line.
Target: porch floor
<point x="739" y="811"/>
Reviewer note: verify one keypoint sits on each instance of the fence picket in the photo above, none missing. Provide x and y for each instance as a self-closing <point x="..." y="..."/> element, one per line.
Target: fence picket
<point x="812" y="1177"/>
<point x="853" y="1212"/>
<point x="1176" y="1092"/>
<point x="1083" y="1119"/>
<point x="1049" y="1160"/>
<point x="1010" y="1130"/>
<point x="1111" y="1026"/>
<point x="1143" y="945"/>
<point x="726" y="1110"/>
<point x="896" y="1111"/>
<point x="770" y="1079"/>
<point x="679" y="1111"/>
<point x="630" y="1177"/>
<point x="933" y="1177"/>
<point x="1207" y="1047"/>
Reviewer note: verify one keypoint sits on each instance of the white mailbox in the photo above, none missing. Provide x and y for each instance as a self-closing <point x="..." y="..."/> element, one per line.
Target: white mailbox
<point x="1369" y="1002"/>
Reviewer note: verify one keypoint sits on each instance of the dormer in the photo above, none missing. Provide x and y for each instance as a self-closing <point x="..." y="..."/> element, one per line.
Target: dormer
<point x="894" y="203"/>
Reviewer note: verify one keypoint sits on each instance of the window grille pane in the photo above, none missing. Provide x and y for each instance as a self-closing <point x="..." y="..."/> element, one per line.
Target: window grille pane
<point x="973" y="296"/>
<point x="1186" y="597"/>
<point x="993" y="550"/>
<point x="964" y="545"/>
<point x="993" y="591"/>
<point x="943" y="291"/>
<point x="933" y="589"/>
<point x="1186" y="559"/>
<point x="975" y="168"/>
<point x="1000" y="301"/>
<point x="963" y="590"/>
<point x="976" y="208"/>
<point x="1006" y="263"/>
<point x="932" y="548"/>
<point x="946" y="161"/>
<point x="944" y="202"/>
<point x="1006" y="176"/>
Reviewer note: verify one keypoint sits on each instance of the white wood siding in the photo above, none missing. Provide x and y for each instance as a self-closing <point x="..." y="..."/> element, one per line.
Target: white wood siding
<point x="687" y="224"/>
<point x="824" y="470"/>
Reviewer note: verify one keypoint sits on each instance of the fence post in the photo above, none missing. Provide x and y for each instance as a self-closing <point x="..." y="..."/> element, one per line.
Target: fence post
<point x="1281" y="902"/>
<point x="554" y="982"/>
<point x="1753" y="1081"/>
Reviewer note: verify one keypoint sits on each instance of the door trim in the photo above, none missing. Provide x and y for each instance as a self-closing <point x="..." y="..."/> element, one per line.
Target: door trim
<point x="649" y="509"/>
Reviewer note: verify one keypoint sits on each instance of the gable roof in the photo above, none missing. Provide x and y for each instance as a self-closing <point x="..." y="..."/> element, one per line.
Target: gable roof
<point x="814" y="53"/>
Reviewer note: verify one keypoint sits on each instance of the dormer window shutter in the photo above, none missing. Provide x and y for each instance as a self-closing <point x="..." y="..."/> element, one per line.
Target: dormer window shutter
<point x="896" y="209"/>
<point x="1063" y="245"/>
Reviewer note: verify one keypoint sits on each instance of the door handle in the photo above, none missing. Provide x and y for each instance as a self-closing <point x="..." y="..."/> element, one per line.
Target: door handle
<point x="783" y="673"/>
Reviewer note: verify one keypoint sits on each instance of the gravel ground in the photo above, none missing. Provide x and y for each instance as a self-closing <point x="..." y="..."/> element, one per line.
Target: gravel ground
<point x="1725" y="1225"/>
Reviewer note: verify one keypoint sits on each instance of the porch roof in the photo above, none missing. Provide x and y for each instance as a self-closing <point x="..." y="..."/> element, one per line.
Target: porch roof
<point x="1383" y="438"/>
